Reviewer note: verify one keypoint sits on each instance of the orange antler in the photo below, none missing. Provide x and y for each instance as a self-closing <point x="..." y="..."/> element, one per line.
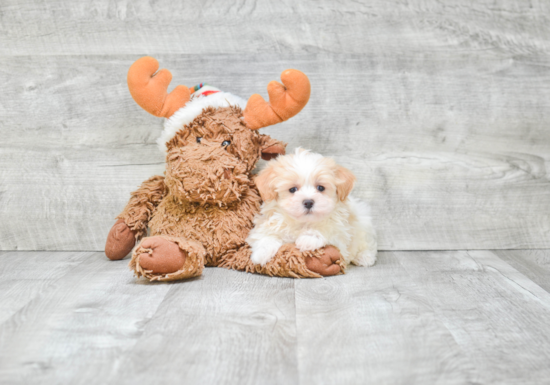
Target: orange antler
<point x="149" y="88"/>
<point x="285" y="101"/>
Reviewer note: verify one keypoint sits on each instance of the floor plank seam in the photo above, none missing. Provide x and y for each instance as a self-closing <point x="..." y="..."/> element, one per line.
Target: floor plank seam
<point x="128" y="352"/>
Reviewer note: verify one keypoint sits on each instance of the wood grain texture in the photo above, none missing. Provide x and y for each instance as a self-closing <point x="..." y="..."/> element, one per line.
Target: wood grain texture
<point x="441" y="109"/>
<point x="489" y="308"/>
<point x="92" y="27"/>
<point x="26" y="275"/>
<point x="225" y="328"/>
<point x="445" y="317"/>
<point x="534" y="264"/>
<point x="375" y="325"/>
<point x="74" y="329"/>
<point x="425" y="317"/>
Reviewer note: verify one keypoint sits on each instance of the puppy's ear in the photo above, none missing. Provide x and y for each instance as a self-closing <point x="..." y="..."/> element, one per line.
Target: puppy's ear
<point x="345" y="181"/>
<point x="263" y="182"/>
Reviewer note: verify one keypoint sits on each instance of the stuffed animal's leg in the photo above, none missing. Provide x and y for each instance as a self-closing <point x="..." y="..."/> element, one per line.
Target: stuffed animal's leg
<point x="289" y="262"/>
<point x="165" y="258"/>
<point x="132" y="222"/>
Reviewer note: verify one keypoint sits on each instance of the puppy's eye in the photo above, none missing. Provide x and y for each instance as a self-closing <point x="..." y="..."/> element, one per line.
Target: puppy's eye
<point x="199" y="140"/>
<point x="293" y="190"/>
<point x="226" y="143"/>
<point x="320" y="188"/>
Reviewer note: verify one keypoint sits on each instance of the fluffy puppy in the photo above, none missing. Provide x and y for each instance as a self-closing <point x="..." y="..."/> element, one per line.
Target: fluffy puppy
<point x="306" y="202"/>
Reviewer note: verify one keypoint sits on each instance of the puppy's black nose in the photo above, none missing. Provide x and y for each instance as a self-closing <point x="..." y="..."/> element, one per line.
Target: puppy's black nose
<point x="308" y="203"/>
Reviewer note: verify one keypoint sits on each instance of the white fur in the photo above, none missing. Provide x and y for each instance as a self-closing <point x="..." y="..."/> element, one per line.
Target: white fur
<point x="310" y="240"/>
<point x="265" y="248"/>
<point x="192" y="109"/>
<point x="346" y="225"/>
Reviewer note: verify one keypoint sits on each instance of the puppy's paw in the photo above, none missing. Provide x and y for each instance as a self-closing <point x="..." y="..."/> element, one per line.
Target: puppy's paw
<point x="264" y="250"/>
<point x="310" y="241"/>
<point x="365" y="258"/>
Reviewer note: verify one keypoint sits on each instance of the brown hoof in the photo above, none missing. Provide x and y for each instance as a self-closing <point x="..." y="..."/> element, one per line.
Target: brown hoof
<point x="326" y="264"/>
<point x="120" y="241"/>
<point x="165" y="256"/>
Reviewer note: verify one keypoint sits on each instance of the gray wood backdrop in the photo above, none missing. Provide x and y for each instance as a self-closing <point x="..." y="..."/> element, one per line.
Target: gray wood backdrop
<point x="442" y="109"/>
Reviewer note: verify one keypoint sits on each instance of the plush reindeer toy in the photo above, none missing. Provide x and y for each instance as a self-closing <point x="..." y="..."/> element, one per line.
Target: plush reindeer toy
<point x="201" y="211"/>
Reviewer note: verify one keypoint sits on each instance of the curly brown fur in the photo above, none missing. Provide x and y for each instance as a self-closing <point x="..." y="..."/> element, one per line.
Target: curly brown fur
<point x="218" y="228"/>
<point x="289" y="262"/>
<point x="142" y="205"/>
<point x="216" y="125"/>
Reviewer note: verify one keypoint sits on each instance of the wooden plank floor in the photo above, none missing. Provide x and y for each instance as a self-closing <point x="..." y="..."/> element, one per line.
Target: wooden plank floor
<point x="446" y="317"/>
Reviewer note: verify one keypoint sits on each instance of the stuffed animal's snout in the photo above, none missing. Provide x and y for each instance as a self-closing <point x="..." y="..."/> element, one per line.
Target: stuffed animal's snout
<point x="206" y="174"/>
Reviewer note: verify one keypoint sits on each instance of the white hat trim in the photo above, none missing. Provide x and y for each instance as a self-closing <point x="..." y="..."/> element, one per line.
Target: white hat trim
<point x="194" y="108"/>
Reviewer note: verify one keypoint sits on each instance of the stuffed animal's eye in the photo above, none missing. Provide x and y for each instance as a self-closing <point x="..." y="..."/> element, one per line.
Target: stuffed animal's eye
<point x="320" y="188"/>
<point x="226" y="143"/>
<point x="293" y="190"/>
<point x="199" y="140"/>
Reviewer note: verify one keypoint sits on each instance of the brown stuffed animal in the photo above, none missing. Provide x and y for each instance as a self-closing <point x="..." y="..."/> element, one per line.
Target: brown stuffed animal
<point x="201" y="211"/>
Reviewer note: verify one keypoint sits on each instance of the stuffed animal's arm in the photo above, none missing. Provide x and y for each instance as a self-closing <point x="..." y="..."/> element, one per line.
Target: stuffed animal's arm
<point x="142" y="204"/>
<point x="288" y="262"/>
<point x="132" y="222"/>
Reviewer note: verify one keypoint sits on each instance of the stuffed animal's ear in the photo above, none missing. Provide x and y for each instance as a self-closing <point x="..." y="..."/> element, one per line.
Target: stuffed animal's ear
<point x="273" y="151"/>
<point x="263" y="182"/>
<point x="345" y="181"/>
<point x="271" y="148"/>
